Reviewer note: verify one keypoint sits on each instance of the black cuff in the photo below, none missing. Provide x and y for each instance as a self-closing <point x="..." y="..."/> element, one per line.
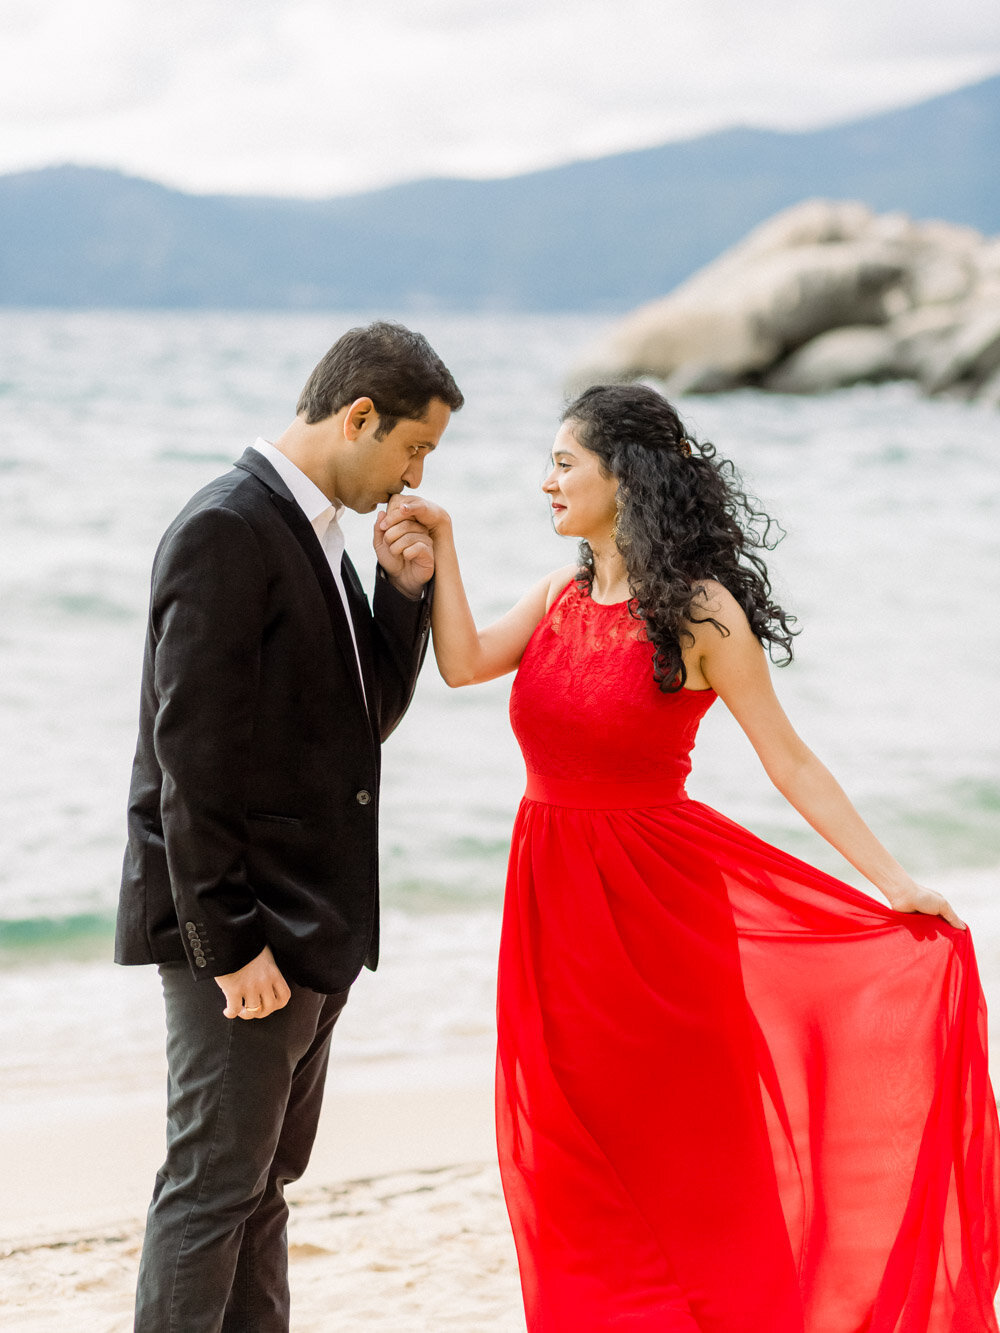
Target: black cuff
<point x="382" y="576"/>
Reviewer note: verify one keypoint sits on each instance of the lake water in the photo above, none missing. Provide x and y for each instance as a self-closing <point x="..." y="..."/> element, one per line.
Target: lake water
<point x="109" y="421"/>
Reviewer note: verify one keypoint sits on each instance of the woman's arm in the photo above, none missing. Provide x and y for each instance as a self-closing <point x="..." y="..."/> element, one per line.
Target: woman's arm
<point x="465" y="655"/>
<point x="736" y="667"/>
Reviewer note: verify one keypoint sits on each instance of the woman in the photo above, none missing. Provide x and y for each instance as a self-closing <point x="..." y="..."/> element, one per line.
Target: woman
<point x="734" y="1095"/>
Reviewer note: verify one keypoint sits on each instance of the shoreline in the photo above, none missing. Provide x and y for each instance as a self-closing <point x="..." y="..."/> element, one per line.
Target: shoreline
<point x="398" y="1224"/>
<point x="87" y="1162"/>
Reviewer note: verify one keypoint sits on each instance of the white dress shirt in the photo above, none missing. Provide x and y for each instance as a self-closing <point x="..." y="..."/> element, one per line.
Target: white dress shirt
<point x="325" y="520"/>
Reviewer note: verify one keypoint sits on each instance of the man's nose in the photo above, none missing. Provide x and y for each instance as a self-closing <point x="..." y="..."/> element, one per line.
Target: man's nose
<point x="413" y="473"/>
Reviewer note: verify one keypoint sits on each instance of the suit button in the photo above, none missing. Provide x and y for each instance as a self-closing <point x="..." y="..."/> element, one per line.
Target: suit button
<point x="363" y="797"/>
<point x="190" y="927"/>
<point x="200" y="962"/>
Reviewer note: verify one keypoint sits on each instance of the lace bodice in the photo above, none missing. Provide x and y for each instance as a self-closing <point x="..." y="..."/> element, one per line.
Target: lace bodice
<point x="584" y="704"/>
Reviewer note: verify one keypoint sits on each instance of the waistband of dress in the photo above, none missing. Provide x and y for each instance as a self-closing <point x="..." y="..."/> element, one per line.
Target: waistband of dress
<point x="583" y="795"/>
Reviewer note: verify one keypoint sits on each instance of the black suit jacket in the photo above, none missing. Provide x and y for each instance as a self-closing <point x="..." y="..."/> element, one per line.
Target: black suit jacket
<point x="253" y="812"/>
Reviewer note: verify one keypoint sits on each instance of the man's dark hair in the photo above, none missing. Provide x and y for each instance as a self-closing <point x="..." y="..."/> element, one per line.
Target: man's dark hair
<point x="393" y="366"/>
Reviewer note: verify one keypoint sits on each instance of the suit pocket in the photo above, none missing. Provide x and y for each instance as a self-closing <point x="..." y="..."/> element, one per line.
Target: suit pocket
<point x="265" y="817"/>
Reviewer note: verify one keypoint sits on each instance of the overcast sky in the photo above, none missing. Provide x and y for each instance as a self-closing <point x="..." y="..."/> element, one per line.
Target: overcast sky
<point x="319" y="97"/>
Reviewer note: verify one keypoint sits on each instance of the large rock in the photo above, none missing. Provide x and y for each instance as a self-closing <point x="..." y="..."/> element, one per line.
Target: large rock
<point x="921" y="337"/>
<point x="824" y="294"/>
<point x="940" y="279"/>
<point x="842" y="356"/>
<point x="971" y="355"/>
<point x="989" y="393"/>
<point x="737" y="319"/>
<point x="813" y="222"/>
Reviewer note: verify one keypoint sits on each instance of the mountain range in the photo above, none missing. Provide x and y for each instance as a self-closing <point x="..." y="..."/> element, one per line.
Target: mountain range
<point x="602" y="234"/>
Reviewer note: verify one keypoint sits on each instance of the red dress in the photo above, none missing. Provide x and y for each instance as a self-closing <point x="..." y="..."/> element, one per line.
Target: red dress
<point x="734" y="1095"/>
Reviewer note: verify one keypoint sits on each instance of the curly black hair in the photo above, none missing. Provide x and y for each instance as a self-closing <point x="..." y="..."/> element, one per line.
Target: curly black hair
<point x="683" y="517"/>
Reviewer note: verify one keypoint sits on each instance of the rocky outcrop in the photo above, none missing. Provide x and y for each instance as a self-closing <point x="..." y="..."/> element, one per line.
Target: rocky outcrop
<point x="823" y="295"/>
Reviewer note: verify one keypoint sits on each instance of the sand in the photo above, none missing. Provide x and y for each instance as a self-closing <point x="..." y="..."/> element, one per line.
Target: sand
<point x="399" y="1224"/>
<point x="410" y="1251"/>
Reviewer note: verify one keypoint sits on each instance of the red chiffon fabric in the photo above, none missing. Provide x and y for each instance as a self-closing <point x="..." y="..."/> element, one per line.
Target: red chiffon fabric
<point x="734" y="1095"/>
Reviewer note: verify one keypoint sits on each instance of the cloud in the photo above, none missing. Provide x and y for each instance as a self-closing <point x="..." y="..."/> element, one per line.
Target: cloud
<point x="322" y="96"/>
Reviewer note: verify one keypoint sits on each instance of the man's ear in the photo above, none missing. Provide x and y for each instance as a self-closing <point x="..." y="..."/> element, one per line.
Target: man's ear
<point x="360" y="414"/>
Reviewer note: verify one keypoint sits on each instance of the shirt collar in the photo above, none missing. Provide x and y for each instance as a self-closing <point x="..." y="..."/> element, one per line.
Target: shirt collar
<point x="307" y="495"/>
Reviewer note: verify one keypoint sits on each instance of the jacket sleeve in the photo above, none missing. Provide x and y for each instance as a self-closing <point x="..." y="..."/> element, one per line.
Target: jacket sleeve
<point x="207" y="618"/>
<point x="402" y="630"/>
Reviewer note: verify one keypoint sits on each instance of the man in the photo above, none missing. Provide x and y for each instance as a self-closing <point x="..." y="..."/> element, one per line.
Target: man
<point x="251" y="866"/>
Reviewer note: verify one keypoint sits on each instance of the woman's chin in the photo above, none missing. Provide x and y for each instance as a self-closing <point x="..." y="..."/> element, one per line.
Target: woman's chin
<point x="563" y="528"/>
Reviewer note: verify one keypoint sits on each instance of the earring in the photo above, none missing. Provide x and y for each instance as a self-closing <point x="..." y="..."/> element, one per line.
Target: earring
<point x="615" y="533"/>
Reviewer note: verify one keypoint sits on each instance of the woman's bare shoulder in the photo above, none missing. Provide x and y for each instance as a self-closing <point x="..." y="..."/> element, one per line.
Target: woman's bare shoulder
<point x="557" y="581"/>
<point x="713" y="601"/>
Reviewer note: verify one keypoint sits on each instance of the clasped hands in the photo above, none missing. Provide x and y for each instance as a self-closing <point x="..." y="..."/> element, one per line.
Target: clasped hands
<point x="404" y="541"/>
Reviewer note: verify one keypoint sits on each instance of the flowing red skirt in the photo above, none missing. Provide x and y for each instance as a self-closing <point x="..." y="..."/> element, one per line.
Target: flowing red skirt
<point x="734" y="1095"/>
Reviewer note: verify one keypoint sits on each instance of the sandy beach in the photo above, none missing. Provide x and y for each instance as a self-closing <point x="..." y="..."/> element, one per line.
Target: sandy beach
<point x="408" y="1251"/>
<point x="399" y="1224"/>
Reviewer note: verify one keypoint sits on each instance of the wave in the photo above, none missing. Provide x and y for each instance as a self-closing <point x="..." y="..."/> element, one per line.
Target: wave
<point x="35" y="939"/>
<point x="92" y="606"/>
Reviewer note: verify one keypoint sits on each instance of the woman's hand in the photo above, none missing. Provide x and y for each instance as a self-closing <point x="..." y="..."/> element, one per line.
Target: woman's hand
<point x="404" y="544"/>
<point x="915" y="898"/>
<point x="465" y="654"/>
<point x="406" y="514"/>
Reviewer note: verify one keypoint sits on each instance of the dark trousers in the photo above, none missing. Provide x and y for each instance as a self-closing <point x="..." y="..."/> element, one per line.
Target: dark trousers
<point x="243" y="1103"/>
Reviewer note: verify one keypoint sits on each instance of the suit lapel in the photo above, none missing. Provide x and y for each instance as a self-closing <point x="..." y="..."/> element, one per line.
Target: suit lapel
<point x="302" y="530"/>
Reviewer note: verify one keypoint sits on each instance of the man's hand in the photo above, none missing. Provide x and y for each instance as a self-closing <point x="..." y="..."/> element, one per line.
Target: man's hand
<point x="256" y="990"/>
<point x="404" y="545"/>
